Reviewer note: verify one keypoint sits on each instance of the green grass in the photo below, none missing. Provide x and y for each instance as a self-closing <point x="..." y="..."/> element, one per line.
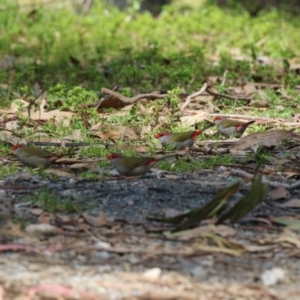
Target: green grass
<point x="51" y="202"/>
<point x="111" y="49"/>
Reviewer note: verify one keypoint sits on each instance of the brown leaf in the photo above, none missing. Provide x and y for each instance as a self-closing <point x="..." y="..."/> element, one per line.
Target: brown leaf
<point x="40" y="229"/>
<point x="99" y="221"/>
<point x="7" y="136"/>
<point x="36" y="211"/>
<point x="279" y="193"/>
<point x="60" y="172"/>
<point x="115" y="132"/>
<point x="201" y="231"/>
<point x="192" y="119"/>
<point x="83" y="165"/>
<point x="258" y="248"/>
<point x="263" y="138"/>
<point x="259" y="103"/>
<point x="249" y="88"/>
<point x="292" y="203"/>
<point x="12" y="229"/>
<point x="57" y="115"/>
<point x="110" y="102"/>
<point x="288" y="240"/>
<point x="290" y="172"/>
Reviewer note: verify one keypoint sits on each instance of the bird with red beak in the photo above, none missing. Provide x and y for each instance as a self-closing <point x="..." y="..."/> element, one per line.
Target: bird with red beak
<point x="34" y="157"/>
<point x="230" y="128"/>
<point x="133" y="166"/>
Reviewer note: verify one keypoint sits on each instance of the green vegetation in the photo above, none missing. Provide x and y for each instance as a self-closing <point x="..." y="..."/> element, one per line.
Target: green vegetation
<point x="48" y="201"/>
<point x="72" y="56"/>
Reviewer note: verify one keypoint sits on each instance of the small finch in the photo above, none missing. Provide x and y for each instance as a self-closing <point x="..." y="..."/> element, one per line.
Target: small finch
<point x="229" y="128"/>
<point x="134" y="166"/>
<point x="180" y="140"/>
<point x="34" y="157"/>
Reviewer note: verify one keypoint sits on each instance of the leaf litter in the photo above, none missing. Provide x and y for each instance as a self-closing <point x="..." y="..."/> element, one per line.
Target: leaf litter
<point x="115" y="237"/>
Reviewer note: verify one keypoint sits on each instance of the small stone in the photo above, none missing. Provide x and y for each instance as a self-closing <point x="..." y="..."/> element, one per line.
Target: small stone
<point x="198" y="272"/>
<point x="2" y="193"/>
<point x="102" y="245"/>
<point x="222" y="169"/>
<point x="102" y="254"/>
<point x="152" y="274"/>
<point x="273" y="276"/>
<point x="40" y="229"/>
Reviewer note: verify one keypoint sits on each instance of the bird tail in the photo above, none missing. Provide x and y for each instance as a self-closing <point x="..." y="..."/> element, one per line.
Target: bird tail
<point x="250" y="122"/>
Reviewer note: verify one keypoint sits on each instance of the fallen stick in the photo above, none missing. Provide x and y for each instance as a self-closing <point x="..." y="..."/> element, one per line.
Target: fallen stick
<point x="132" y="100"/>
<point x="247" y="175"/>
<point x="190" y="97"/>
<point x="249" y="98"/>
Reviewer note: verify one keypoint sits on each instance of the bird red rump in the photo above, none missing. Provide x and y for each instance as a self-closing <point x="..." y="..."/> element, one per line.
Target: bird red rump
<point x="196" y="133"/>
<point x="18" y="146"/>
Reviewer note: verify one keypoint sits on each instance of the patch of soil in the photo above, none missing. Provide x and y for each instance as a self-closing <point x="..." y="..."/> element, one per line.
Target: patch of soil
<point x="111" y="251"/>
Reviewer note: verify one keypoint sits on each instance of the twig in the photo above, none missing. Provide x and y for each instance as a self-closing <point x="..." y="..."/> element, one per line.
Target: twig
<point x="270" y="183"/>
<point x="66" y="144"/>
<point x="196" y="94"/>
<point x="244" y="117"/>
<point x="132" y="100"/>
<point x="228" y="96"/>
<point x="31" y="102"/>
<point x="259" y="119"/>
<point x="274" y="85"/>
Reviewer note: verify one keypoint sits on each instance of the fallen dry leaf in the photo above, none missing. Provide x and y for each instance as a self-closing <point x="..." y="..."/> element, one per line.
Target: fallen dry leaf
<point x="262" y="138"/>
<point x="279" y="193"/>
<point x="290" y="172"/>
<point x="98" y="221"/>
<point x="36" y="211"/>
<point x="12" y="229"/>
<point x="259" y="103"/>
<point x="11" y="125"/>
<point x="115" y="132"/>
<point x="190" y="120"/>
<point x="59" y="117"/>
<point x="292" y="203"/>
<point x="40" y="229"/>
<point x="258" y="248"/>
<point x="289" y="240"/>
<point x="60" y="172"/>
<point x="7" y="136"/>
<point x="76" y="135"/>
<point x="201" y="231"/>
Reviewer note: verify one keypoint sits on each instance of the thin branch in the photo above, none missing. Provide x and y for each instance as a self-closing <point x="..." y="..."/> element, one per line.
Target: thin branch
<point x="228" y="96"/>
<point x="132" y="100"/>
<point x="196" y="94"/>
<point x="31" y="102"/>
<point x="262" y="120"/>
<point x="272" y="85"/>
<point x="245" y="117"/>
<point x="67" y="144"/>
<point x="270" y="183"/>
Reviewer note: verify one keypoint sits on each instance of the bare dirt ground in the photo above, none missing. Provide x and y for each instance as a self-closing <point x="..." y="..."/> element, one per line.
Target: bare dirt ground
<point x="111" y="251"/>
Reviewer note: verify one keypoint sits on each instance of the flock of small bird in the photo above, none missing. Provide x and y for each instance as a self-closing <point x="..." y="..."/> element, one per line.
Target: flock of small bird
<point x="36" y="157"/>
